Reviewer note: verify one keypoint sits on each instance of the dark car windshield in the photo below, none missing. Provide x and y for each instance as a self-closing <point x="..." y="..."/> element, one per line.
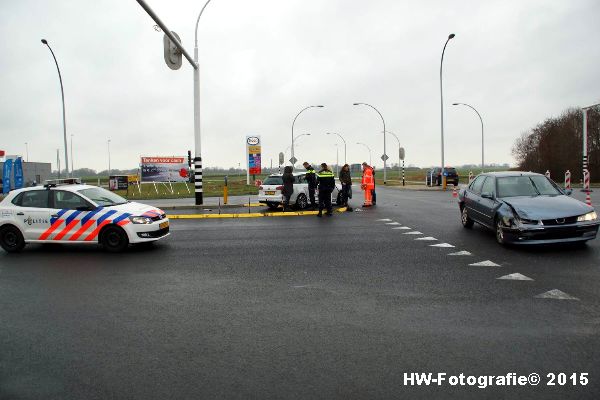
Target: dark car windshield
<point x="513" y="186"/>
<point x="102" y="197"/>
<point x="273" y="180"/>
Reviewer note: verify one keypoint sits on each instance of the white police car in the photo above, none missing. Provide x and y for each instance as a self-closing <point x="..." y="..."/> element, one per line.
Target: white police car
<point x="77" y="214"/>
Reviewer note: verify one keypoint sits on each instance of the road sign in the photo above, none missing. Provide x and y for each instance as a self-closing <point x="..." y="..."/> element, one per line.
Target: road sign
<point x="384" y="157"/>
<point x="401" y="153"/>
<point x="281" y="158"/>
<point x="293" y="160"/>
<point x="172" y="53"/>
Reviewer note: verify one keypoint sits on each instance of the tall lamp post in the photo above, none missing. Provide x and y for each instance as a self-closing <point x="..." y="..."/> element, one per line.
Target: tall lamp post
<point x="400" y="156"/>
<point x="370" y="160"/>
<point x="341" y="137"/>
<point x="26" y="152"/>
<point x="480" y="119"/>
<point x="62" y="93"/>
<point x="585" y="158"/>
<point x="72" y="169"/>
<point x="293" y="123"/>
<point x="108" y="147"/>
<point x="384" y="157"/>
<point x="442" y="107"/>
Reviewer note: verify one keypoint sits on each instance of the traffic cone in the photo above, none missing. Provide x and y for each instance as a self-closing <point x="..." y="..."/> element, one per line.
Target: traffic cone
<point x="588" y="199"/>
<point x="454" y="192"/>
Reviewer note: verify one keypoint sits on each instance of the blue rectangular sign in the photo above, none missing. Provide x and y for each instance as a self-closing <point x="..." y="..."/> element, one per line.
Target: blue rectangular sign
<point x="6" y="172"/>
<point x="18" y="173"/>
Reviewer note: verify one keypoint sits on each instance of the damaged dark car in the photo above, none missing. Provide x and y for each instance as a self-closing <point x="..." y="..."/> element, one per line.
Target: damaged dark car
<point x="526" y="208"/>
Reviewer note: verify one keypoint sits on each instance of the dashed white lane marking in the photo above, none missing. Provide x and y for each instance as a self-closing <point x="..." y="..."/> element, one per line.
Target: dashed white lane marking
<point x="426" y="238"/>
<point x="486" y="263"/>
<point x="441" y="245"/>
<point x="392" y="223"/>
<point x="403" y="228"/>
<point x="556" y="294"/>
<point x="383" y="219"/>
<point x="461" y="253"/>
<point x="515" y="277"/>
<point x="412" y="233"/>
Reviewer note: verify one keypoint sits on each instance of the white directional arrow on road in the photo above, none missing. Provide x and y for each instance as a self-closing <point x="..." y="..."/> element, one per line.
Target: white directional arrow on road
<point x="486" y="263"/>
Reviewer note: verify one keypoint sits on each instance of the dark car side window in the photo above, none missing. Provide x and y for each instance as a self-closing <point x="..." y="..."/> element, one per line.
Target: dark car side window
<point x="477" y="184"/>
<point x="33" y="199"/>
<point x="489" y="186"/>
<point x="69" y="200"/>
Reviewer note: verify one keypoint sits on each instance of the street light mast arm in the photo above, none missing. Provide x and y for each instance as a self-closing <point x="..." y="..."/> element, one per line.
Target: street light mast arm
<point x="197" y="22"/>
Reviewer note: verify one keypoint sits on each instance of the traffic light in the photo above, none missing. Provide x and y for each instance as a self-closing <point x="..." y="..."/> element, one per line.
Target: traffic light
<point x="172" y="53"/>
<point x="189" y="159"/>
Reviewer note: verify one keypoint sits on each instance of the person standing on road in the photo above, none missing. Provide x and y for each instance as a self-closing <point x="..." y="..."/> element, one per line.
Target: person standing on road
<point x="311" y="179"/>
<point x="288" y="187"/>
<point x="346" y="181"/>
<point x="373" y="194"/>
<point x="367" y="184"/>
<point x="326" y="182"/>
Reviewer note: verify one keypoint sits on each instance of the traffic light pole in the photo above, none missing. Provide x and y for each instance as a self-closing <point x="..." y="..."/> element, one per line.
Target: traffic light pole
<point x="194" y="63"/>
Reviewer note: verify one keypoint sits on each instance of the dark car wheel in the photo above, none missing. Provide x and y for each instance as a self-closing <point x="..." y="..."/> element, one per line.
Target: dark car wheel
<point x="338" y="200"/>
<point x="11" y="239"/>
<point x="301" y="202"/>
<point x="114" y="239"/>
<point x="499" y="232"/>
<point x="464" y="218"/>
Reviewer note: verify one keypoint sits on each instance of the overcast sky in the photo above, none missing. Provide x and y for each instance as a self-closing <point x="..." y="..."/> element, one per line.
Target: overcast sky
<point x="262" y="61"/>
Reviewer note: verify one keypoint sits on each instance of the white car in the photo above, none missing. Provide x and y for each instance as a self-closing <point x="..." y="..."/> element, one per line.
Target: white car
<point x="77" y="214"/>
<point x="269" y="192"/>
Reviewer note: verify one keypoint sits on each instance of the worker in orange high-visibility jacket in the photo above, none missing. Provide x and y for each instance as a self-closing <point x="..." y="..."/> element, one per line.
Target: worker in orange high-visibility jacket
<point x="367" y="184"/>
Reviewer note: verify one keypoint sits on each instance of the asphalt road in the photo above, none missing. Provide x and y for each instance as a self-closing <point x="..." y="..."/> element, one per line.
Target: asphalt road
<point x="300" y="308"/>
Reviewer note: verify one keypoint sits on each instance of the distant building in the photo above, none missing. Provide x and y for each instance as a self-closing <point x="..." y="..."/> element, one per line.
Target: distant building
<point x="32" y="172"/>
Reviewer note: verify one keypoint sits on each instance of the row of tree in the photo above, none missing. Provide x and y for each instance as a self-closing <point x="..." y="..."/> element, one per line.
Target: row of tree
<point x="557" y="145"/>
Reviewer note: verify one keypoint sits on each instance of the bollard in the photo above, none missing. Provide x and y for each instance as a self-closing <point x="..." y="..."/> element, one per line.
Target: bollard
<point x="547" y="174"/>
<point x="568" y="179"/>
<point x="470" y="176"/>
<point x="248" y="204"/>
<point x="225" y="191"/>
<point x="586" y="180"/>
<point x="219" y="206"/>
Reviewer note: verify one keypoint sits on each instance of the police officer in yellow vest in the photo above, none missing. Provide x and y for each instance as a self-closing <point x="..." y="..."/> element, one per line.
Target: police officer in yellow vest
<point x="311" y="179"/>
<point x="326" y="182"/>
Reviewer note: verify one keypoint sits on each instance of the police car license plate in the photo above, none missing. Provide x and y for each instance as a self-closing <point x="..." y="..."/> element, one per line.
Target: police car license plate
<point x="163" y="225"/>
<point x="270" y="192"/>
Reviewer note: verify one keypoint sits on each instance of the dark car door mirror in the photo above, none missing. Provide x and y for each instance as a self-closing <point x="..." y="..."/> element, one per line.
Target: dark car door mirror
<point x="569" y="192"/>
<point x="487" y="195"/>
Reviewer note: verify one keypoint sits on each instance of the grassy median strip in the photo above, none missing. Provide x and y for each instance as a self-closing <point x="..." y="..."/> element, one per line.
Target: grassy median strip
<point x="249" y="215"/>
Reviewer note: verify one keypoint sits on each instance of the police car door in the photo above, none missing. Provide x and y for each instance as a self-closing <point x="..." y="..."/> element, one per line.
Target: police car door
<point x="68" y="212"/>
<point x="33" y="213"/>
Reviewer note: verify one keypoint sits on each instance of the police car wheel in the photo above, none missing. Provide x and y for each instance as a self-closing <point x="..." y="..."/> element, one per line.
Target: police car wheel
<point x="11" y="239"/>
<point x="301" y="202"/>
<point x="114" y="239"/>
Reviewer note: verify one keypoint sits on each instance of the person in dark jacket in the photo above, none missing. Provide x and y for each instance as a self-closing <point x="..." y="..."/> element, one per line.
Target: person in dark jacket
<point x="288" y="187"/>
<point x="346" y="181"/>
<point x="326" y="184"/>
<point x="311" y="179"/>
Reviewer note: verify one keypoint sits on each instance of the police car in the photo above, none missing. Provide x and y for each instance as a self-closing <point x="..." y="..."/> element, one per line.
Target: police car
<point x="77" y="213"/>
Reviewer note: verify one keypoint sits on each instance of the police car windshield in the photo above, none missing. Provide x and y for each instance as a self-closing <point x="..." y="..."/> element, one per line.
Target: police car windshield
<point x="102" y="197"/>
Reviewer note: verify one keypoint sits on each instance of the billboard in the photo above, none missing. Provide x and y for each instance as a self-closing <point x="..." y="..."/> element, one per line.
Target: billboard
<point x="18" y="173"/>
<point x="253" y="149"/>
<point x="164" y="169"/>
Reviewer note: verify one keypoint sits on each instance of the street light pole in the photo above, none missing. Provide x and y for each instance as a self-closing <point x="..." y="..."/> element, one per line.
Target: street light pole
<point x="62" y="93"/>
<point x="585" y="158"/>
<point x="370" y="160"/>
<point x="480" y="119"/>
<point x="341" y="137"/>
<point x="72" y="155"/>
<point x="26" y="152"/>
<point x="293" y="123"/>
<point x="108" y="146"/>
<point x="384" y="157"/>
<point x="442" y="107"/>
<point x="398" y="140"/>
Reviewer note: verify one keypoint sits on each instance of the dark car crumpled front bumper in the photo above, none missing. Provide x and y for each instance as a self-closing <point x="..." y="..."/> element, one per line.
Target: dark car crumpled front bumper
<point x="535" y="234"/>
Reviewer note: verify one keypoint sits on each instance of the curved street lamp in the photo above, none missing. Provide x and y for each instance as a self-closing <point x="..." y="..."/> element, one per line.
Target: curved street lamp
<point x="341" y="137"/>
<point x="399" y="147"/>
<point x="62" y="93"/>
<point x="442" y="107"/>
<point x="384" y="154"/>
<point x="294" y="122"/>
<point x="370" y="160"/>
<point x="480" y="119"/>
